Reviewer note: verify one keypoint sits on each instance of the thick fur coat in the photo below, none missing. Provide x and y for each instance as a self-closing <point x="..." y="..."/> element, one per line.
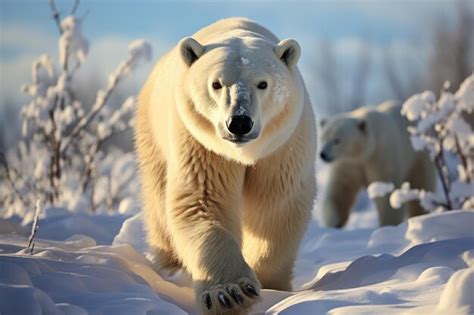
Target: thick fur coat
<point x="230" y="210"/>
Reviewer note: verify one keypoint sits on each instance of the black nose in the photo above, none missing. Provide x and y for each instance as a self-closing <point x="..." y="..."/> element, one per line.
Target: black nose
<point x="324" y="156"/>
<point x="240" y="125"/>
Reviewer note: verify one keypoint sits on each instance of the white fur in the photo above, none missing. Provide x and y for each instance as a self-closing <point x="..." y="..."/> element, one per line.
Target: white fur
<point x="231" y="214"/>
<point x="367" y="145"/>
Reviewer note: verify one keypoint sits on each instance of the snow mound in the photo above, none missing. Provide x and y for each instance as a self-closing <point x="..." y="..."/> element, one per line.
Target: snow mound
<point x="133" y="233"/>
<point x="61" y="225"/>
<point x="442" y="226"/>
<point x="457" y="297"/>
<point x="369" y="270"/>
<point x="77" y="278"/>
<point x="423" y="266"/>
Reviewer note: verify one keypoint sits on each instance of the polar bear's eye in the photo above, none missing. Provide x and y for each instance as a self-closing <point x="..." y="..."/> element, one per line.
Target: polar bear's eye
<point x="216" y="85"/>
<point x="262" y="85"/>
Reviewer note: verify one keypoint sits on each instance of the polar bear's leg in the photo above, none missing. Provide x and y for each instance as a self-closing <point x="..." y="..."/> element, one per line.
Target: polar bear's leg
<point x="272" y="233"/>
<point x="336" y="205"/>
<point x="162" y="254"/>
<point x="341" y="192"/>
<point x="423" y="176"/>
<point x="153" y="175"/>
<point x="414" y="208"/>
<point x="388" y="215"/>
<point x="203" y="198"/>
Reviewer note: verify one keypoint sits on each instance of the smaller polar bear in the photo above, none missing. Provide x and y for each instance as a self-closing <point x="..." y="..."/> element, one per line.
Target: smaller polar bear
<point x="370" y="144"/>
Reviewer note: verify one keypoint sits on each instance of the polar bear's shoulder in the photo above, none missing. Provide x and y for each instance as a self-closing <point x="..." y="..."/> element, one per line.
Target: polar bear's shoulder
<point x="390" y="107"/>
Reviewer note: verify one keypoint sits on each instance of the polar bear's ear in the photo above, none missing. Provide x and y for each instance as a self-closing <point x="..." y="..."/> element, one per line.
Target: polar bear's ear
<point x="288" y="50"/>
<point x="190" y="50"/>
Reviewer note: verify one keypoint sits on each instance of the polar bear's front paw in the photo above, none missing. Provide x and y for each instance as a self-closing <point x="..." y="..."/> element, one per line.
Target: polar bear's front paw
<point x="230" y="298"/>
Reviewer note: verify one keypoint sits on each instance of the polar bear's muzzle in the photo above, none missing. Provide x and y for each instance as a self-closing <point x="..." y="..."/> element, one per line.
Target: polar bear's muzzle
<point x="238" y="129"/>
<point x="239" y="125"/>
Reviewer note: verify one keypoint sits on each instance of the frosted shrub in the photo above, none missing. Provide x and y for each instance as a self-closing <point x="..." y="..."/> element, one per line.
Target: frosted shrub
<point x="439" y="127"/>
<point x="61" y="157"/>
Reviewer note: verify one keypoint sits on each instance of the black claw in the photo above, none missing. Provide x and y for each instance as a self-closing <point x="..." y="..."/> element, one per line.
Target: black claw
<point x="236" y="296"/>
<point x="207" y="300"/>
<point x="224" y="300"/>
<point x="250" y="290"/>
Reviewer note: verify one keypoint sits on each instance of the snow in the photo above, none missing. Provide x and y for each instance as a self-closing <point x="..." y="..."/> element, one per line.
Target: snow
<point x="95" y="262"/>
<point x="459" y="125"/>
<point x="462" y="189"/>
<point x="403" y="195"/>
<point x="442" y="226"/>
<point x="379" y="189"/>
<point x="76" y="277"/>
<point x="461" y="282"/>
<point x="425" y="265"/>
<point x="465" y="94"/>
<point x="132" y="233"/>
<point x="139" y="49"/>
<point x="414" y="107"/>
<point x="72" y="42"/>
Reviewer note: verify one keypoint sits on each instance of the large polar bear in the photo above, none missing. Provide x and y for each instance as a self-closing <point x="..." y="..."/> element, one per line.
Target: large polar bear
<point x="226" y="143"/>
<point x="370" y="144"/>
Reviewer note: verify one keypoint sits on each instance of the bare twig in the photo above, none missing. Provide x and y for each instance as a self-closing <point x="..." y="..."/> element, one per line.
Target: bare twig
<point x="76" y="67"/>
<point x="34" y="227"/>
<point x="65" y="66"/>
<point x="64" y="139"/>
<point x="56" y="16"/>
<point x="101" y="101"/>
<point x="96" y="148"/>
<point x="439" y="167"/>
<point x="74" y="7"/>
<point x="3" y="161"/>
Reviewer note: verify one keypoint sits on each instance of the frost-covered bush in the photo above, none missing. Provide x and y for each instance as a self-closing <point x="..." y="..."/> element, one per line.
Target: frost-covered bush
<point x="61" y="157"/>
<point x="439" y="126"/>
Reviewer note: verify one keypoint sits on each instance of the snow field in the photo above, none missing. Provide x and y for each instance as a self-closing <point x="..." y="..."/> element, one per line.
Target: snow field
<point x="425" y="265"/>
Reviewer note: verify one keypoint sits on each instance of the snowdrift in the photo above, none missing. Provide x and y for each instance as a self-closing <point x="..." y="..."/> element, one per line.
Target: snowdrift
<point x="423" y="266"/>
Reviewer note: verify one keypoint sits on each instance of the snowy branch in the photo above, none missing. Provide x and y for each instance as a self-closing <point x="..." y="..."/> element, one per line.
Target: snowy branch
<point x="62" y="151"/>
<point x="379" y="189"/>
<point x="439" y="128"/>
<point x="138" y="50"/>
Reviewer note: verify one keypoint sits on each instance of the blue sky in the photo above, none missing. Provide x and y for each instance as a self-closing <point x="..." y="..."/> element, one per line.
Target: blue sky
<point x="382" y="20"/>
<point x="27" y="30"/>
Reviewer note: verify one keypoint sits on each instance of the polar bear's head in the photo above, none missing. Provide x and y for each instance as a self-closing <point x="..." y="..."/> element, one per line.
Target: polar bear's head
<point x="345" y="138"/>
<point x="241" y="97"/>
